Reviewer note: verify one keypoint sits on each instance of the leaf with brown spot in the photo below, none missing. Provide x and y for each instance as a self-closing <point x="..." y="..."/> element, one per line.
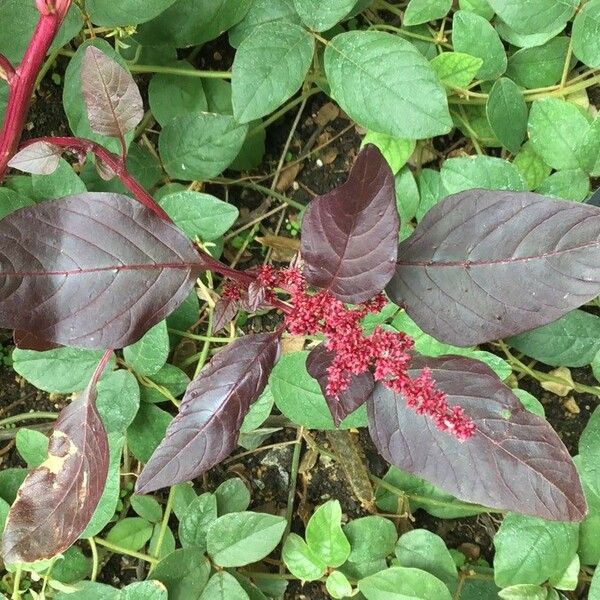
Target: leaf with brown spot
<point x="57" y="499"/>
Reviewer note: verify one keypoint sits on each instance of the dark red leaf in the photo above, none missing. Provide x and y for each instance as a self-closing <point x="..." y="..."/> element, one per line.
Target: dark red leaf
<point x="225" y="311"/>
<point x="350" y="235"/>
<point x="515" y="461"/>
<point x="359" y="388"/>
<point x="39" y="158"/>
<point x="486" y="264"/>
<point x="113" y="100"/>
<point x="57" y="499"/>
<point x="24" y="340"/>
<point x="94" y="270"/>
<point x="206" y="429"/>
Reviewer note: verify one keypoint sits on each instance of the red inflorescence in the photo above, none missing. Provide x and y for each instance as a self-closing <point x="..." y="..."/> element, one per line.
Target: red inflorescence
<point x="386" y="353"/>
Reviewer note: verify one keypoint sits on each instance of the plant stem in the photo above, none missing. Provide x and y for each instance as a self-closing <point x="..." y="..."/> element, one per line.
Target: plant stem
<point x="201" y="338"/>
<point x="95" y="561"/>
<point x="28" y="417"/>
<point x="263" y="190"/>
<point x="165" y="522"/>
<point x="120" y="550"/>
<point x="206" y="347"/>
<point x="16" y="593"/>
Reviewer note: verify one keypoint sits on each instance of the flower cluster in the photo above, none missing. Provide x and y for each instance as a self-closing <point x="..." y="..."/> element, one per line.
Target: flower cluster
<point x="387" y="354"/>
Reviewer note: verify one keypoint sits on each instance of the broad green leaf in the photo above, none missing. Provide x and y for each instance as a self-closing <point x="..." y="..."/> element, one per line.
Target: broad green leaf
<point x="456" y="69"/>
<point x="195" y="521"/>
<point x="487" y="172"/>
<point x="539" y="66"/>
<point x="401" y="583"/>
<point x="11" y="201"/>
<point x="534" y="15"/>
<point x="407" y="195"/>
<point x="526" y="40"/>
<point x="396" y="151"/>
<point x="530" y="402"/>
<point x="589" y="153"/>
<point x="72" y="567"/>
<point x="192" y="23"/>
<point x="62" y="182"/>
<point x="108" y="13"/>
<point x="62" y="370"/>
<point x="269" y="67"/>
<point x="259" y="411"/>
<point x="557" y="129"/>
<point x="531" y="166"/>
<point x="423" y="11"/>
<point x="32" y="445"/>
<point x="507" y="113"/>
<point x="586" y="34"/>
<point x="147" y="431"/>
<point x="167" y="544"/>
<point x="300" y="560"/>
<point x="200" y="145"/>
<point x="321" y="16"/>
<point x="338" y="586"/>
<point x="299" y="397"/>
<point x="253" y="591"/>
<point x="400" y="96"/>
<point x="232" y="496"/>
<point x="569" y="579"/>
<point x="90" y="589"/>
<point x="479" y="7"/>
<point x="200" y="215"/>
<point x="10" y="481"/>
<point x="170" y="377"/>
<point x="171" y="96"/>
<point x="589" y="451"/>
<point x="473" y="123"/>
<point x="146" y="507"/>
<point x="150" y="353"/>
<point x="431" y="191"/>
<point x="474" y="35"/>
<point x="184" y="573"/>
<point x="595" y="586"/>
<point x="239" y="539"/>
<point x="144" y="590"/>
<point x="572" y="184"/>
<point x="223" y="586"/>
<point x="263" y="11"/>
<point x="131" y="533"/>
<point x="324" y="534"/>
<point x="424" y="550"/>
<point x="183" y="496"/>
<point x="530" y="549"/>
<point x="523" y="592"/>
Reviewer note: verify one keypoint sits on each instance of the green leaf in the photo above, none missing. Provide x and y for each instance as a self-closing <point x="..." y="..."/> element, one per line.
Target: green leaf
<point x="530" y="402"/>
<point x="192" y="23"/>
<point x="259" y="411"/>
<point x="487" y="172"/>
<point x="530" y="549"/>
<point x="531" y="166"/>
<point x="62" y="370"/>
<point x="507" y="113"/>
<point x="424" y="550"/>
<point x="199" y="214"/>
<point x="324" y="534"/>
<point x="321" y="16"/>
<point x="11" y="201"/>
<point x="232" y="496"/>
<point x="184" y="572"/>
<point x="569" y="579"/>
<point x="10" y="481"/>
<point x="239" y="539"/>
<point x="586" y="34"/>
<point x="147" y="431"/>
<point x="144" y="590"/>
<point x="32" y="445"/>
<point x="108" y="13"/>
<point x="200" y="145"/>
<point x="300" y="560"/>
<point x="62" y="182"/>
<point x="195" y="521"/>
<point x="556" y="129"/>
<point x="571" y="341"/>
<point x="147" y="508"/>
<point x="431" y="191"/>
<point x="173" y="379"/>
<point x="523" y="592"/>
<point x="571" y="184"/>
<point x="223" y="586"/>
<point x="423" y="11"/>
<point x="595" y="586"/>
<point x="400" y="96"/>
<point x="526" y="40"/>
<point x="396" y="151"/>
<point x="263" y="11"/>
<point x="299" y="397"/>
<point x="589" y="153"/>
<point x="253" y="591"/>
<point x="149" y="353"/>
<point x="72" y="567"/>
<point x="88" y="589"/>
<point x="168" y="542"/>
<point x="269" y="67"/>
<point x="474" y="35"/>
<point x="171" y="96"/>
<point x="338" y="586"/>
<point x="534" y="15"/>
<point x="183" y="495"/>
<point x="540" y="66"/>
<point x="407" y="195"/>
<point x="456" y="69"/>
<point x="131" y="533"/>
<point x="401" y="583"/>
<point x="479" y="7"/>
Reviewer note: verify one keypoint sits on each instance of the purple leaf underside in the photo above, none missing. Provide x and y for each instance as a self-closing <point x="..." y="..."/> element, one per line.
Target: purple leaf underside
<point x="57" y="499"/>
<point x="206" y="429"/>
<point x="350" y="235"/>
<point x="484" y="265"/>
<point x="515" y="461"/>
<point x="39" y="158"/>
<point x="94" y="270"/>
<point x="359" y="388"/>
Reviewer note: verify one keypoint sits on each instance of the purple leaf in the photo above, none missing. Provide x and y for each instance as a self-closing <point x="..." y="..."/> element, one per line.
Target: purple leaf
<point x="515" y="461"/>
<point x="206" y="429"/>
<point x="113" y="100"/>
<point x="39" y="158"/>
<point x="57" y="499"/>
<point x="359" y="388"/>
<point x="25" y="340"/>
<point x="225" y="311"/>
<point x="485" y="264"/>
<point x="350" y="235"/>
<point x="94" y="270"/>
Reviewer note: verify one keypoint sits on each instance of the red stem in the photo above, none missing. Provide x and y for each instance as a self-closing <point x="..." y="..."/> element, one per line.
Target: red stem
<point x="22" y="80"/>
